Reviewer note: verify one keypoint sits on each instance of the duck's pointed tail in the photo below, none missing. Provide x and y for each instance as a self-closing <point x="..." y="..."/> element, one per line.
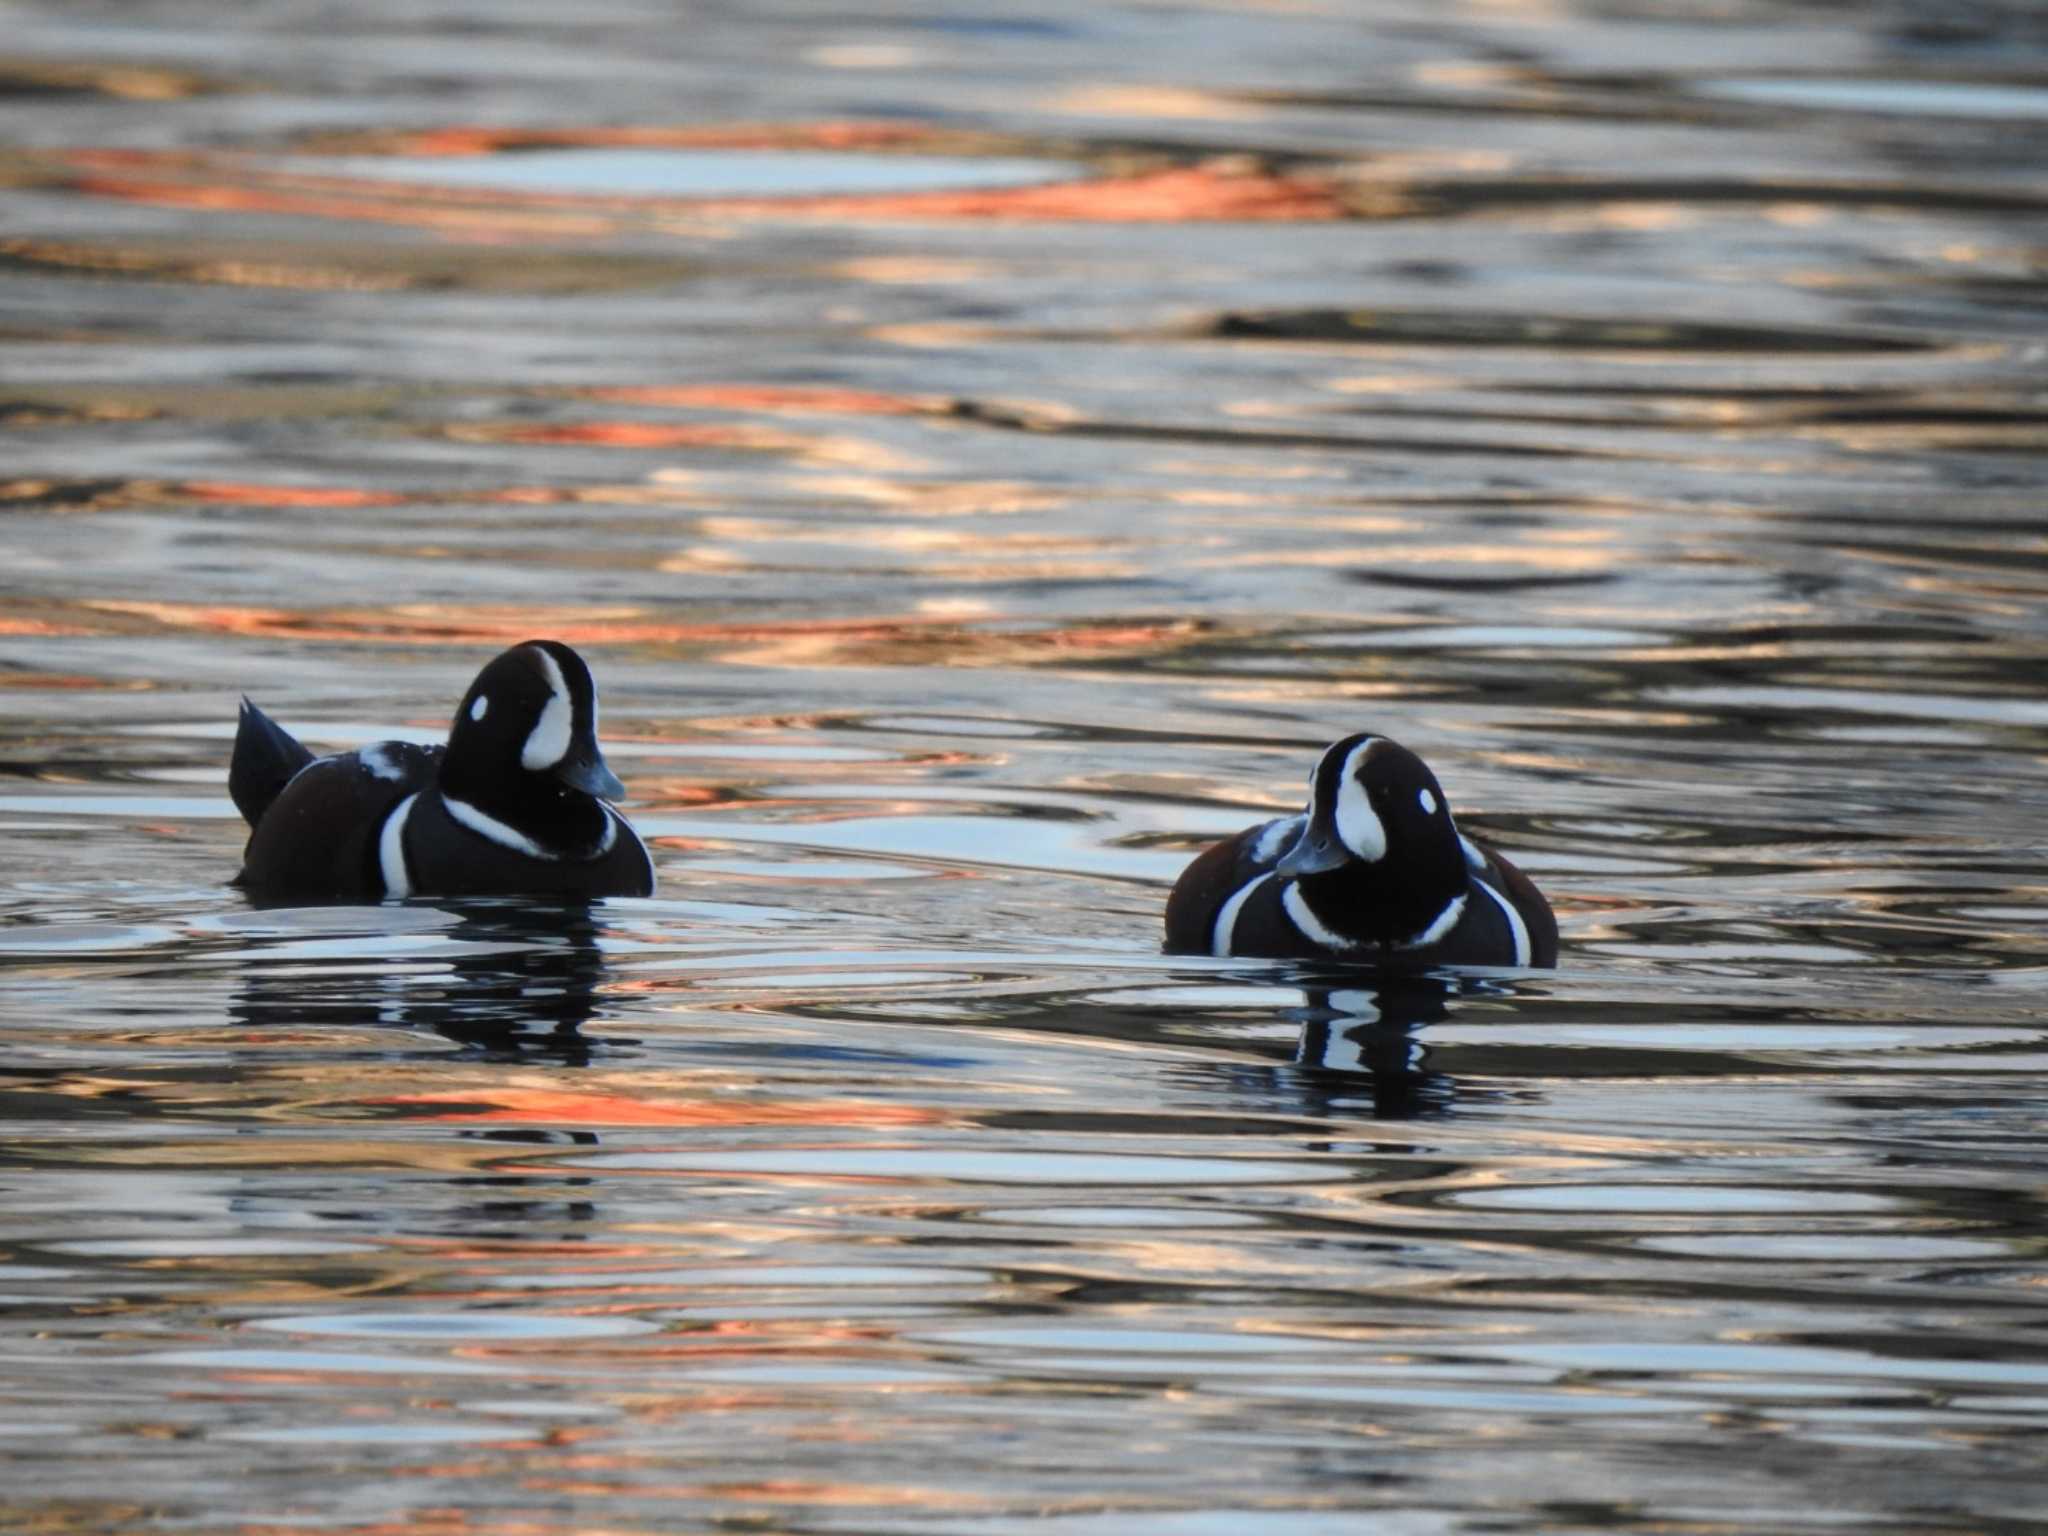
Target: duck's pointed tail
<point x="266" y="757"/>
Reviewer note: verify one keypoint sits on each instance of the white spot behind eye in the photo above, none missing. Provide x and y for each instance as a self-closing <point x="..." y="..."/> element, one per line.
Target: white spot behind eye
<point x="548" y="742"/>
<point x="476" y="710"/>
<point x="1426" y="800"/>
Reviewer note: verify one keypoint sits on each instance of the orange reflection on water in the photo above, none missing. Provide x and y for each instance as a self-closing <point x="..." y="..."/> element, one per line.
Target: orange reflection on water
<point x="676" y="794"/>
<point x="1182" y="195"/>
<point x="942" y="644"/>
<point x="46" y="628"/>
<point x="628" y="434"/>
<point x="69" y="681"/>
<point x="196" y="267"/>
<point x="849" y="1429"/>
<point x="737" y="437"/>
<point x="1234" y="190"/>
<point x="780" y="400"/>
<point x="563" y="1106"/>
<point x="911" y="641"/>
<point x="203" y="190"/>
<point x="1178" y="102"/>
<point x="941" y="498"/>
<point x="289" y="495"/>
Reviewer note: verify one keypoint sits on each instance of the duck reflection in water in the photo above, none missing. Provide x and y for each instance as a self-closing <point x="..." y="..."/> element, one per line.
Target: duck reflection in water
<point x="1362" y="1037"/>
<point x="512" y="977"/>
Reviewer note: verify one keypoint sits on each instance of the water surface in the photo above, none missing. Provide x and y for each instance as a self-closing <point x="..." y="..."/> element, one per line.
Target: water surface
<point x="985" y="456"/>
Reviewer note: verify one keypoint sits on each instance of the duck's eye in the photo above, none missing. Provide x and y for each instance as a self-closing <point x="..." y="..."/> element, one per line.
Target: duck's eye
<point x="478" y="709"/>
<point x="1426" y="800"/>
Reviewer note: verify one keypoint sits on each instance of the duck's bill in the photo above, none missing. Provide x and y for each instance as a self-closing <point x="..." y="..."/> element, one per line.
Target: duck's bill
<point x="590" y="774"/>
<point x="1314" y="852"/>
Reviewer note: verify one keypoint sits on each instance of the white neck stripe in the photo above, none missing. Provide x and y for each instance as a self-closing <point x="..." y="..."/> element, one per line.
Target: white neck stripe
<point x="493" y="829"/>
<point x="391" y="850"/>
<point x="1520" y="929"/>
<point x="1226" y="920"/>
<point x="1303" y="917"/>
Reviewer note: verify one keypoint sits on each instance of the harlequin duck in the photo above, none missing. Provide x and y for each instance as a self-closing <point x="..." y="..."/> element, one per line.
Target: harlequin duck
<point x="1373" y="871"/>
<point x="511" y="806"/>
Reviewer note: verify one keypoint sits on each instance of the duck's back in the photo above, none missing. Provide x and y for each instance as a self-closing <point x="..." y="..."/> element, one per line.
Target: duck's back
<point x="1230" y="871"/>
<point x="318" y="839"/>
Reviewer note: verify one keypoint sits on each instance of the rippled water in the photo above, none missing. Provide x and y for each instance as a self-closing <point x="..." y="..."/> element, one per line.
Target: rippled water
<point x="985" y="455"/>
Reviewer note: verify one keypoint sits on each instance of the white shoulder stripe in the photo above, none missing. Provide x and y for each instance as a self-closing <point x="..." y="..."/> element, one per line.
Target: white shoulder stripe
<point x="391" y="851"/>
<point x="1520" y="929"/>
<point x="1303" y="917"/>
<point x="1226" y="920"/>
<point x="1446" y="920"/>
<point x="493" y="829"/>
<point x="1474" y="859"/>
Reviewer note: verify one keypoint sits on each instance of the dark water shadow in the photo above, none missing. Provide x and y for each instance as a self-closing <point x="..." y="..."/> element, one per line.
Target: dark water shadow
<point x="519" y="981"/>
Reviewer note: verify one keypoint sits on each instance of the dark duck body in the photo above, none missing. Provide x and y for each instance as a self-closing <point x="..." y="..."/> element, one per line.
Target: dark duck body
<point x="1373" y="872"/>
<point x="516" y="804"/>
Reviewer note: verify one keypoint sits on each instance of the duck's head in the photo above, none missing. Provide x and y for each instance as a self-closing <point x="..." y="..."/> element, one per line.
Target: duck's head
<point x="530" y="720"/>
<point x="1378" y="859"/>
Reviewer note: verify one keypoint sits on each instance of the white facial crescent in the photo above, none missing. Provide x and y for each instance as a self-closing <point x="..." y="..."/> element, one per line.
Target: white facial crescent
<point x="1357" y="826"/>
<point x="548" y="742"/>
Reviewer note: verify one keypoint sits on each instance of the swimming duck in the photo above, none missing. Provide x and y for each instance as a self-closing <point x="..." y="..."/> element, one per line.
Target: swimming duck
<point x="516" y="803"/>
<point x="1373" y="871"/>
